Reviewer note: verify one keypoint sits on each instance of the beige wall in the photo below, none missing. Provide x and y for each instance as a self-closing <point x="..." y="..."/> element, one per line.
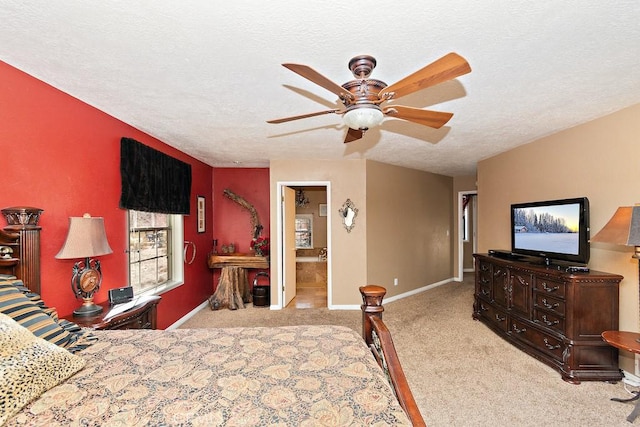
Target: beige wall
<point x="599" y="160"/>
<point x="348" y="250"/>
<point x="409" y="223"/>
<point x="402" y="230"/>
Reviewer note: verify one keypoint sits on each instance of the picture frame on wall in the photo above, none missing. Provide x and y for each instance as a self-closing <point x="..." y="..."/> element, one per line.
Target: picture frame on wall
<point x="322" y="209"/>
<point x="202" y="224"/>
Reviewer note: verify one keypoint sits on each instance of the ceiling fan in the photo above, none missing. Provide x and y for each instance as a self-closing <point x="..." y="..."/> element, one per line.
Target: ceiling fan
<point x="363" y="97"/>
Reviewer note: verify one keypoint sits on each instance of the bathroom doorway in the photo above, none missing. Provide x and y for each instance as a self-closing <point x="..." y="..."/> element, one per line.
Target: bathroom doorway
<point x="311" y="248"/>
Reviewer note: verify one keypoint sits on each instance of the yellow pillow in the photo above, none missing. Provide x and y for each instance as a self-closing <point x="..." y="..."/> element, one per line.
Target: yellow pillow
<point x="29" y="366"/>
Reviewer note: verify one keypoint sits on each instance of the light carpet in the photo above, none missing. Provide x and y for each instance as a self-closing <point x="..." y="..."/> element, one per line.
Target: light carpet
<point x="460" y="372"/>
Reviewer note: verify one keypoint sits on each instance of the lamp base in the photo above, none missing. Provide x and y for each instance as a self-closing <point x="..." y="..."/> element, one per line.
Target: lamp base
<point x="86" y="310"/>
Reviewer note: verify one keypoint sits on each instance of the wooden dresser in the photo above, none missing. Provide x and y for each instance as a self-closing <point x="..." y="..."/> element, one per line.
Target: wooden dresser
<point x="555" y="316"/>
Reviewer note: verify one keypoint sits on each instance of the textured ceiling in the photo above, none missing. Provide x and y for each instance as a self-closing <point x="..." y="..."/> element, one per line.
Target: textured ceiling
<point x="204" y="76"/>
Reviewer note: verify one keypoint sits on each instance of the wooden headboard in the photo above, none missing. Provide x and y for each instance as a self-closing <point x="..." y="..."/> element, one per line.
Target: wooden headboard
<point x="10" y="250"/>
<point x="22" y="235"/>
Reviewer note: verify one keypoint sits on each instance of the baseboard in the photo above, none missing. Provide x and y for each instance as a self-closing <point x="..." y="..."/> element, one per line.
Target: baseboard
<point x="418" y="291"/>
<point x="187" y="316"/>
<point x="631" y="379"/>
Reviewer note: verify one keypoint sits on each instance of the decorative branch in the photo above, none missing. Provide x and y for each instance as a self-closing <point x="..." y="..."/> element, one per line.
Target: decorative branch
<point x="255" y="220"/>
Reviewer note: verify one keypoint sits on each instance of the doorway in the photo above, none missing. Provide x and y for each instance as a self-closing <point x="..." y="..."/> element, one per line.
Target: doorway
<point x="467" y="235"/>
<point x="304" y="249"/>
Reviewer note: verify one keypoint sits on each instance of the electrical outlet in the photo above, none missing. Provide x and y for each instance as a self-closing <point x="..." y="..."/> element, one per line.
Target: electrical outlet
<point x="395" y="283"/>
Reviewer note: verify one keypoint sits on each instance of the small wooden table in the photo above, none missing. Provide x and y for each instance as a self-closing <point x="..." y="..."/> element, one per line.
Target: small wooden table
<point x="629" y="341"/>
<point x="233" y="286"/>
<point x="237" y="260"/>
<point x="141" y="316"/>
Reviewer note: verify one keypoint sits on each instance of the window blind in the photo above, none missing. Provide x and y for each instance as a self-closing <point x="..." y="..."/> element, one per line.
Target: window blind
<point x="153" y="181"/>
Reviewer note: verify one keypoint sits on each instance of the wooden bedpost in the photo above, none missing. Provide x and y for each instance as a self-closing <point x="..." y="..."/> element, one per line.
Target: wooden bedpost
<point x="24" y="221"/>
<point x="384" y="350"/>
<point x="372" y="296"/>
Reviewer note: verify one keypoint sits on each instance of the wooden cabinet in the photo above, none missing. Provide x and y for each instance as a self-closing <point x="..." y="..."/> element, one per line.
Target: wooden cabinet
<point x="142" y="316"/>
<point x="555" y="316"/>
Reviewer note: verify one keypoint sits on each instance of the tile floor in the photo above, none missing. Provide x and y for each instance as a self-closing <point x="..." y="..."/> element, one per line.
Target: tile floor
<point x="309" y="295"/>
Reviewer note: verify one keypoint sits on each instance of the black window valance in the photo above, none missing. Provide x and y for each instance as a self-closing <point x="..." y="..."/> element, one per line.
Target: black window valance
<point x="153" y="181"/>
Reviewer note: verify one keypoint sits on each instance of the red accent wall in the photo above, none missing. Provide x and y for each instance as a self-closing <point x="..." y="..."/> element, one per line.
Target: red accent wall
<point x="62" y="155"/>
<point x="231" y="222"/>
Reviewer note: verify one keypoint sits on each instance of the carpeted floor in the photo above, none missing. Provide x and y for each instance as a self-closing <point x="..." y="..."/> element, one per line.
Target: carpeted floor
<point x="460" y="372"/>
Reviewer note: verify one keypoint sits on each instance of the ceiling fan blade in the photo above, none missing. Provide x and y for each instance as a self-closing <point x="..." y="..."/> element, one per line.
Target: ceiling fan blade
<point x="446" y="68"/>
<point x="353" y="135"/>
<point x="434" y="119"/>
<point x="302" y="116"/>
<point x="317" y="78"/>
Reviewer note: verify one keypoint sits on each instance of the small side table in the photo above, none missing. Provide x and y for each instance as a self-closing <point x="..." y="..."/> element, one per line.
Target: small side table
<point x="629" y="341"/>
<point x="142" y="316"/>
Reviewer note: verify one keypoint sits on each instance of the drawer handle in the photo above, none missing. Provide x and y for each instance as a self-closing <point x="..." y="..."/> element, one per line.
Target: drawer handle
<point x="483" y="308"/>
<point x="519" y="331"/>
<point x="547" y="305"/>
<point x="484" y="281"/>
<point x="548" y="289"/>
<point x="549" y="346"/>
<point x="500" y="319"/>
<point x="549" y="322"/>
<point x="485" y="292"/>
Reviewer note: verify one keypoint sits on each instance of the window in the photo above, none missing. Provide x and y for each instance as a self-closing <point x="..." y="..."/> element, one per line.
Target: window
<point x="155" y="249"/>
<point x="304" y="231"/>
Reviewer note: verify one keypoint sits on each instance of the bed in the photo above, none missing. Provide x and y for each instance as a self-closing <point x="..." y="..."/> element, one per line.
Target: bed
<point x="296" y="375"/>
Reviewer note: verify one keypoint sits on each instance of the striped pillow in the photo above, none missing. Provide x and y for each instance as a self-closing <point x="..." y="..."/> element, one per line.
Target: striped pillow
<point x="28" y="310"/>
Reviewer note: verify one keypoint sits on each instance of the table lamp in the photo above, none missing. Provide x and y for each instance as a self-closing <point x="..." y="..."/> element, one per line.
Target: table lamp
<point x="86" y="239"/>
<point x="622" y="229"/>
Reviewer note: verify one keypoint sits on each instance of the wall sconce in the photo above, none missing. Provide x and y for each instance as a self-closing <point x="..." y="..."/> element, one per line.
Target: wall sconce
<point x="86" y="238"/>
<point x="348" y="212"/>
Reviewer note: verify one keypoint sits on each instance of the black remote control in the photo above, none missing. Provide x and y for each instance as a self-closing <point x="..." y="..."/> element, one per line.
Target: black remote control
<point x="577" y="269"/>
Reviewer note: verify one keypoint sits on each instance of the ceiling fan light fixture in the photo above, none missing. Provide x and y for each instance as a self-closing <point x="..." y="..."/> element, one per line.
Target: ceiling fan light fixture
<point x="365" y="117"/>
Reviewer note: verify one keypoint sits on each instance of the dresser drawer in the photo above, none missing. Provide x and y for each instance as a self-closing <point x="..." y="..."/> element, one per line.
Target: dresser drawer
<point x="484" y="279"/>
<point x="550" y="287"/>
<point x="546" y="302"/>
<point x="549" y="320"/>
<point x="548" y="343"/>
<point x="493" y="315"/>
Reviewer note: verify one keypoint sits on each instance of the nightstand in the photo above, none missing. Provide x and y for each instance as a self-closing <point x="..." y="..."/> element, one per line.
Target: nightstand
<point x="142" y="316"/>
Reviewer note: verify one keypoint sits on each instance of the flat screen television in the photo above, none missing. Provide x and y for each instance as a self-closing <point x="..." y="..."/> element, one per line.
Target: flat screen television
<point x="555" y="230"/>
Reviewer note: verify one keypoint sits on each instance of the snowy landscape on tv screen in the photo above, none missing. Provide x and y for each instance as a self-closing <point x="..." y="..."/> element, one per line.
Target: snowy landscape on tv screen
<point x="547" y="228"/>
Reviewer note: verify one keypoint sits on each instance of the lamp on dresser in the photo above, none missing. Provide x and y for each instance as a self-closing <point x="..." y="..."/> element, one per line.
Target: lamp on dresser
<point x="86" y="239"/>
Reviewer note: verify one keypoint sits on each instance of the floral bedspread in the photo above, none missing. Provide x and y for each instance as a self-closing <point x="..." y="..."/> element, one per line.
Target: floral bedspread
<point x="288" y="376"/>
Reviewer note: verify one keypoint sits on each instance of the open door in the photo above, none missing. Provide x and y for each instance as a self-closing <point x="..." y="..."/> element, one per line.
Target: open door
<point x="289" y="247"/>
<point x="467" y="226"/>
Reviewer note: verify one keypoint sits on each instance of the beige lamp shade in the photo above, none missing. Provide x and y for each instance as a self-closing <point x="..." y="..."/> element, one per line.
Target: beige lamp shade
<point x="622" y="229"/>
<point x="86" y="238"/>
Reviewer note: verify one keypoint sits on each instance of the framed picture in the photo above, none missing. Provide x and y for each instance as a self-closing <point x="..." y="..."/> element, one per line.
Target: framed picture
<point x="201" y="211"/>
<point x="322" y="209"/>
